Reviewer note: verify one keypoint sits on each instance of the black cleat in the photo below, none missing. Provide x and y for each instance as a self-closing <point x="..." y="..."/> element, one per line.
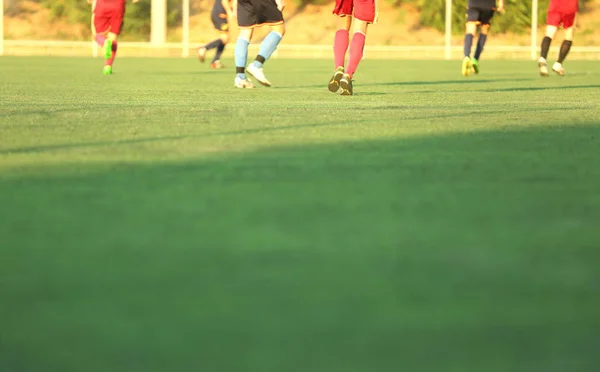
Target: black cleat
<point x="334" y="83"/>
<point x="346" y="85"/>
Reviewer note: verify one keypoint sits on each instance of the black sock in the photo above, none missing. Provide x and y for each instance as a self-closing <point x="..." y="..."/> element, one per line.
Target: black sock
<point x="545" y="47"/>
<point x="468" y="44"/>
<point x="240" y="70"/>
<point x="220" y="49"/>
<point x="564" y="50"/>
<point x="480" y="44"/>
<point x="213" y="44"/>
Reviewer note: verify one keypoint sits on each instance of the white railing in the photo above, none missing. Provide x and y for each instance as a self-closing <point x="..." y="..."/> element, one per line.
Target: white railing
<point x="146" y="49"/>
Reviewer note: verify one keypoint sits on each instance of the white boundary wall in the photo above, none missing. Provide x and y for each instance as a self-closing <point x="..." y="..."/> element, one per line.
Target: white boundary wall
<point x="147" y="49"/>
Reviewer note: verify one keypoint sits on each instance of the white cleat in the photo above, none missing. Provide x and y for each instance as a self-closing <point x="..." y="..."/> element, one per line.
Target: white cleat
<point x="258" y="75"/>
<point x="201" y="54"/>
<point x="543" y="66"/>
<point x="242" y="83"/>
<point x="558" y="68"/>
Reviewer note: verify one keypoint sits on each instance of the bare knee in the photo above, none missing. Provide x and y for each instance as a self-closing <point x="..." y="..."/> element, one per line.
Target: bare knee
<point x="485" y="29"/>
<point x="471" y="28"/>
<point x="280" y="29"/>
<point x="224" y="37"/>
<point x="344" y="23"/>
<point x="245" y="33"/>
<point x="360" y="26"/>
<point x="551" y="31"/>
<point x="569" y="33"/>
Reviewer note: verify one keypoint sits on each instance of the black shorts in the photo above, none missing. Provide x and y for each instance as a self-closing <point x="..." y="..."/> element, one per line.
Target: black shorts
<point x="219" y="20"/>
<point x="252" y="13"/>
<point x="483" y="16"/>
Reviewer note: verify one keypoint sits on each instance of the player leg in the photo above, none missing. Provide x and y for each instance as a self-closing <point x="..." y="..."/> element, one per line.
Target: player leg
<point x="224" y="38"/>
<point x="340" y="46"/>
<point x="219" y="21"/>
<point x="267" y="47"/>
<point x="486" y="18"/>
<point x="271" y="15"/>
<point x="357" y="46"/>
<point x="473" y="16"/>
<point x="552" y="23"/>
<point x="110" y="45"/>
<point x="569" y="25"/>
<point x="364" y="14"/>
<point x="241" y="58"/>
<point x="470" y="30"/>
<point x="247" y="20"/>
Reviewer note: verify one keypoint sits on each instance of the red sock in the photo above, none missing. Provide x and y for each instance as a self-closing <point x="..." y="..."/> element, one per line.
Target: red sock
<point x="340" y="45"/>
<point x="100" y="39"/>
<point x="113" y="54"/>
<point x="356" y="52"/>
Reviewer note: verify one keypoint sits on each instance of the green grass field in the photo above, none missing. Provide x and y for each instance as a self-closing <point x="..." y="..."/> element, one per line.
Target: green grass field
<point x="161" y="220"/>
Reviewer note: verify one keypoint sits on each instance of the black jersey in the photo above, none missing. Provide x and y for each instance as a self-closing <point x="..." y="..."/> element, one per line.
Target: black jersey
<point x="482" y="4"/>
<point x="218" y="8"/>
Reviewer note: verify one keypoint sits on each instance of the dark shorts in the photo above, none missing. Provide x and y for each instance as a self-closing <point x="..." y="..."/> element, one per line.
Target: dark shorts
<point x="253" y="13"/>
<point x="479" y="15"/>
<point x="360" y="9"/>
<point x="219" y="20"/>
<point x="108" y="20"/>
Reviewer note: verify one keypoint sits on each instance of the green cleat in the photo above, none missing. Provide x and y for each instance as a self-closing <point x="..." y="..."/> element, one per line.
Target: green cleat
<point x="107" y="48"/>
<point x="107" y="70"/>
<point x="475" y="65"/>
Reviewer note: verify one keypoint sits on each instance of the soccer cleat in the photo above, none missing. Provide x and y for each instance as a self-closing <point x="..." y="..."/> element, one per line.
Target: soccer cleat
<point x="558" y="68"/>
<point x="107" y="48"/>
<point x="258" y="74"/>
<point x="217" y="64"/>
<point x="346" y="85"/>
<point x="334" y="83"/>
<point x="466" y="66"/>
<point x="243" y="83"/>
<point x="201" y="54"/>
<point x="543" y="66"/>
<point x="107" y="70"/>
<point x="475" y="66"/>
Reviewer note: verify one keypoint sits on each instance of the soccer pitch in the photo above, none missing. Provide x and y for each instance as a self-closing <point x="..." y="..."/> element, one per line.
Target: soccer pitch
<point x="161" y="220"/>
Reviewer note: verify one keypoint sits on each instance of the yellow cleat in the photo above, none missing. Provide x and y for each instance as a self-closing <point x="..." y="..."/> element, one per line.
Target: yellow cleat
<point x="466" y="66"/>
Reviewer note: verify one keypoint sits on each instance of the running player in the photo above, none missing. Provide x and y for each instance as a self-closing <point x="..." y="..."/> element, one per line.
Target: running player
<point x="560" y="13"/>
<point x="252" y="14"/>
<point x="479" y="13"/>
<point x="107" y="22"/>
<point x="361" y="13"/>
<point x="220" y="16"/>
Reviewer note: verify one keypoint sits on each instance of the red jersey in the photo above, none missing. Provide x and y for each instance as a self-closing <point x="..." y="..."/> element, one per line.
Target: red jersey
<point x="564" y="6"/>
<point x="110" y="4"/>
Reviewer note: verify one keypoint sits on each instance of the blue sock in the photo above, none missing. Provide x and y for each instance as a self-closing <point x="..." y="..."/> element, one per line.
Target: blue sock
<point x="468" y="44"/>
<point x="267" y="48"/>
<point x="480" y="45"/>
<point x="241" y="56"/>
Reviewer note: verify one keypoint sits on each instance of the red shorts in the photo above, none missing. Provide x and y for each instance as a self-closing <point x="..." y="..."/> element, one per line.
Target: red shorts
<point x="108" y="20"/>
<point x="359" y="9"/>
<point x="567" y="20"/>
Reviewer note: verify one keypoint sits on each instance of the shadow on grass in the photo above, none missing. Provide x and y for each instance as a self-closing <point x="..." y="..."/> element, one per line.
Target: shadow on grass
<point x="473" y="247"/>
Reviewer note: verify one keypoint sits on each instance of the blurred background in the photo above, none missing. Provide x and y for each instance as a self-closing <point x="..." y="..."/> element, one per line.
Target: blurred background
<point x="413" y="29"/>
